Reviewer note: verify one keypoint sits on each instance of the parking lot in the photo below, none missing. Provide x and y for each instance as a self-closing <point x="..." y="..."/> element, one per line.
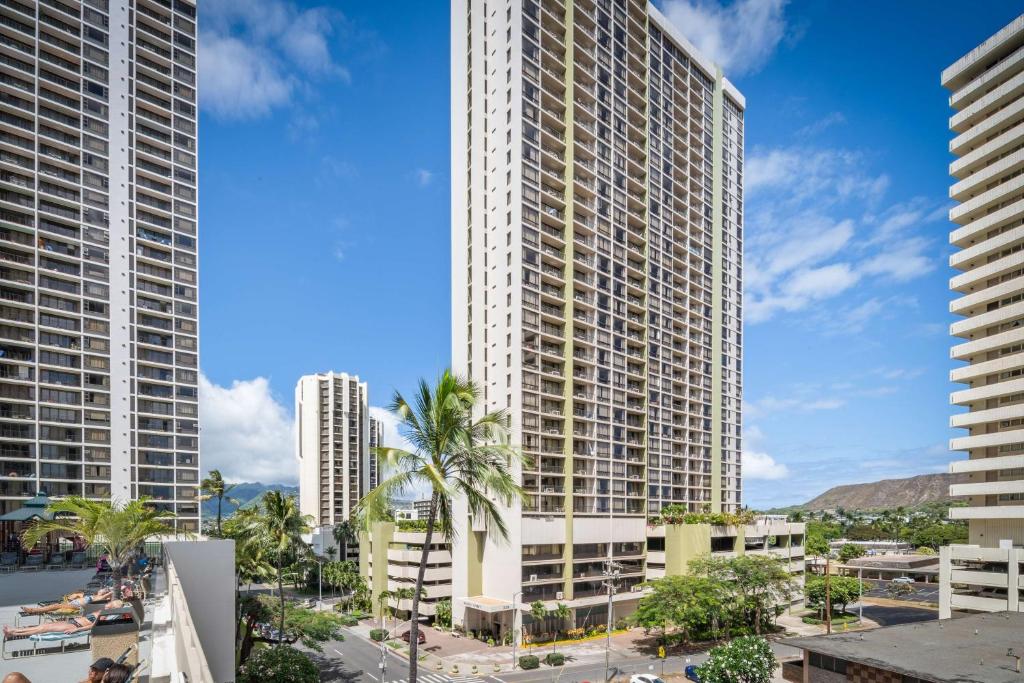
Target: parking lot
<point x="923" y="592"/>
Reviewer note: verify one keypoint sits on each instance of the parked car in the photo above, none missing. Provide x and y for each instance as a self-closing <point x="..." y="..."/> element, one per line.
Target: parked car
<point x="420" y="637"/>
<point x="903" y="579"/>
<point x="690" y="672"/>
<point x="645" y="678"/>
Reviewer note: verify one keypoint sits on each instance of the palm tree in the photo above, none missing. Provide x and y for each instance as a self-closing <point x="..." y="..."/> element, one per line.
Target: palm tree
<point x="539" y="613"/>
<point x="561" y="613"/>
<point x="382" y="603"/>
<point x="214" y="486"/>
<point x="344" y="533"/>
<point x="455" y="456"/>
<point x="278" y="528"/>
<point x="407" y="594"/>
<point x="116" y="528"/>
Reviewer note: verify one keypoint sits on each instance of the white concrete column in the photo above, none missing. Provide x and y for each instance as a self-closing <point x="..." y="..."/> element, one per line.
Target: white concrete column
<point x="945" y="590"/>
<point x="1012" y="582"/>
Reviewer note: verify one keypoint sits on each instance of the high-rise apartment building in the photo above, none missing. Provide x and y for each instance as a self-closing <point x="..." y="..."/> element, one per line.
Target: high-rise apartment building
<point x="987" y="93"/>
<point x="376" y="440"/>
<point x="597" y="163"/>
<point x="98" y="242"/>
<point x="332" y="444"/>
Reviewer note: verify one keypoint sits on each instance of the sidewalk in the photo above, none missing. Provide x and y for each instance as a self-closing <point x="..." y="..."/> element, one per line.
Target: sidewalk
<point x="793" y="623"/>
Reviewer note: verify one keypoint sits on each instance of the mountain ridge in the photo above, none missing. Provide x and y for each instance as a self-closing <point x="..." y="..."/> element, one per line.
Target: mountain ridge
<point x="885" y="493"/>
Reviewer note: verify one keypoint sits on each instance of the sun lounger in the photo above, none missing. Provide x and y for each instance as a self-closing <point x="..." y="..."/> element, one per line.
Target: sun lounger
<point x="47" y="643"/>
<point x="33" y="562"/>
<point x="56" y="562"/>
<point x="8" y="561"/>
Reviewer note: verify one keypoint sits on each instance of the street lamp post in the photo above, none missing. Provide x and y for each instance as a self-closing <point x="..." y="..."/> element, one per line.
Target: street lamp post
<point x="611" y="573"/>
<point x="860" y="594"/>
<point x="515" y="633"/>
<point x="320" y="583"/>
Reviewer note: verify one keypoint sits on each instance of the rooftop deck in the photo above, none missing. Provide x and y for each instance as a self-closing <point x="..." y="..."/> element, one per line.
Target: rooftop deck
<point x="28" y="587"/>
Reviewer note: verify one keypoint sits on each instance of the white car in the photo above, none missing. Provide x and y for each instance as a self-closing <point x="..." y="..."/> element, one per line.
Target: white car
<point x="903" y="579"/>
<point x="645" y="678"/>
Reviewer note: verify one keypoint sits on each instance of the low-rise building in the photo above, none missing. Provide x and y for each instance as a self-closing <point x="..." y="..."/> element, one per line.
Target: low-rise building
<point x="922" y="568"/>
<point x="979" y="579"/>
<point x="671" y="547"/>
<point x="389" y="559"/>
<point x="981" y="648"/>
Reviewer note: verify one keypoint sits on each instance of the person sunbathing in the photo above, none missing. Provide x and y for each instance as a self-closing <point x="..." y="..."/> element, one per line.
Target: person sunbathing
<point x="72" y="601"/>
<point x="68" y="626"/>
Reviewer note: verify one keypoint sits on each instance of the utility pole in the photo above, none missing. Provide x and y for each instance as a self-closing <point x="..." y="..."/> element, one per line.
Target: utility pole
<point x="515" y="633"/>
<point x="828" y="595"/>
<point x="383" y="662"/>
<point x="611" y="572"/>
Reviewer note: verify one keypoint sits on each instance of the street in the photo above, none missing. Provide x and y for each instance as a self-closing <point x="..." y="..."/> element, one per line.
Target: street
<point x="357" y="660"/>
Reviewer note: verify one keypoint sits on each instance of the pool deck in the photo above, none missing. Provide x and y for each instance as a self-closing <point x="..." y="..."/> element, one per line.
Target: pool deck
<point x="25" y="588"/>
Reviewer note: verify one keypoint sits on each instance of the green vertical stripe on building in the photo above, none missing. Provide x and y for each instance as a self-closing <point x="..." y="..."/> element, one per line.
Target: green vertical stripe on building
<point x="716" y="297"/>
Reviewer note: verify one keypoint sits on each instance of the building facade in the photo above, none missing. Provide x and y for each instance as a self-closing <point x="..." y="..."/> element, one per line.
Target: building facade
<point x="332" y="444"/>
<point x="98" y="241"/>
<point x="389" y="559"/>
<point x="987" y="97"/>
<point x="376" y="440"/>
<point x="596" y="278"/>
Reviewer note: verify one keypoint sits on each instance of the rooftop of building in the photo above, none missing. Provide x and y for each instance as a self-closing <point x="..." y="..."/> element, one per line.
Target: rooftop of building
<point x="999" y="45"/>
<point x="895" y="561"/>
<point x="968" y="649"/>
<point x="27" y="588"/>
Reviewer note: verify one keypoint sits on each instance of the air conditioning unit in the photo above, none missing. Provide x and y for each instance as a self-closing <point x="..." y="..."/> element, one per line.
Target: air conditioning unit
<point x="533" y="577"/>
<point x="559" y="595"/>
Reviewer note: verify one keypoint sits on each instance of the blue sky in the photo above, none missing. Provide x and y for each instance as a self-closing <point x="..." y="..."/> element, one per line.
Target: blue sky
<point x="325" y="219"/>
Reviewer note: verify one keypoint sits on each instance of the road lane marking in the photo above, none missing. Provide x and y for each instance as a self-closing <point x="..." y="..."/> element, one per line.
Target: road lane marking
<point x="370" y="675"/>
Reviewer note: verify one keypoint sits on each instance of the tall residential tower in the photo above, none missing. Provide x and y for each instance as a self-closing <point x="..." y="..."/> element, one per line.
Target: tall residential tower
<point x="987" y="93"/>
<point x="597" y="163"/>
<point x="98" y="242"/>
<point x="332" y="444"/>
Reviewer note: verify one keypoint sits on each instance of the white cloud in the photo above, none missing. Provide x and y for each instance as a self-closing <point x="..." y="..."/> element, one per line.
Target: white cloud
<point x="255" y="55"/>
<point x="817" y="226"/>
<point x="424" y="177"/>
<point x="831" y="119"/>
<point x="760" y="465"/>
<point x="740" y="37"/>
<point x="240" y="80"/>
<point x="773" y="404"/>
<point x="247" y="433"/>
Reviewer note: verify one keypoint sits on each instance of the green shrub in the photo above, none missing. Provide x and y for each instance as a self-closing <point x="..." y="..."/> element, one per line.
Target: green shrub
<point x="527" y="662"/>
<point x="554" y="659"/>
<point x="280" y="664"/>
<point x="348" y="620"/>
<point x="378" y="634"/>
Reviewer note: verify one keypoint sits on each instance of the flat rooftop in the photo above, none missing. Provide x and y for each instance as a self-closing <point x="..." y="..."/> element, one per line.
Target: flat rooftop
<point x="968" y="649"/>
<point x="25" y="588"/>
<point x="895" y="561"/>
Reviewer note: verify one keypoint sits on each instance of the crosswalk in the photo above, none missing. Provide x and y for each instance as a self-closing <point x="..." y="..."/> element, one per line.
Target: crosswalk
<point x="446" y="678"/>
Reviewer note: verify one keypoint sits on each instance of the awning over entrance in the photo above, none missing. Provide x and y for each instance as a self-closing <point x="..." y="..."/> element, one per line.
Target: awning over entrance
<point x="484" y="603"/>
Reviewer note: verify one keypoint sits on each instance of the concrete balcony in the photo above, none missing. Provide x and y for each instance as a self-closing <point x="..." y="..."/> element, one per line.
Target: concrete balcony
<point x="966" y="443"/>
<point x="977" y="88"/>
<point x="976" y="254"/>
<point x="969" y="396"/>
<point x="976" y="182"/>
<point x="977" y="277"/>
<point x="967" y="350"/>
<point x="413" y="556"/>
<point x="972" y="114"/>
<point x="976" y="207"/>
<point x="656" y="556"/>
<point x="1004" y="462"/>
<point x="978" y="323"/>
<point x="980" y="417"/>
<point x="977" y="302"/>
<point x="976" y="158"/>
<point x="977" y="229"/>
<point x="988" y="512"/>
<point x="987" y="488"/>
<point x="433" y="591"/>
<point x="410" y="573"/>
<point x="962" y="143"/>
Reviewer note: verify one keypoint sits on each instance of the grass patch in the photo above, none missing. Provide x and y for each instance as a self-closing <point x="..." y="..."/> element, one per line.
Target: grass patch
<point x="839" y="619"/>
